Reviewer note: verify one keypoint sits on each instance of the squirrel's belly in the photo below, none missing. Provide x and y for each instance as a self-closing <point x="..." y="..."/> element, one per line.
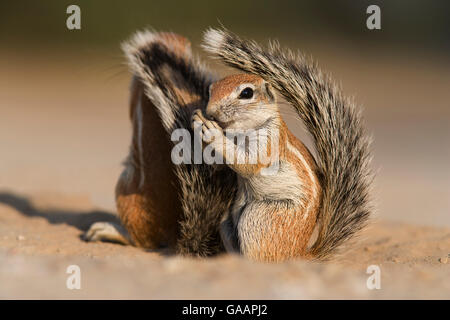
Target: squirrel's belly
<point x="281" y="184"/>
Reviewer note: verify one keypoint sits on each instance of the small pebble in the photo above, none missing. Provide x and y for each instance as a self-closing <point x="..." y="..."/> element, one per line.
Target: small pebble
<point x="20" y="237"/>
<point x="443" y="260"/>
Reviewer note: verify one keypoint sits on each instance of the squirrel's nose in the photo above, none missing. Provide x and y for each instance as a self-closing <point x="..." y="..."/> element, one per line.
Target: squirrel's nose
<point x="211" y="111"/>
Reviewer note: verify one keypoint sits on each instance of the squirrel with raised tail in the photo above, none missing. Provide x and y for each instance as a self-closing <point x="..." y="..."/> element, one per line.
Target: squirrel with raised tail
<point x="274" y="213"/>
<point x="265" y="217"/>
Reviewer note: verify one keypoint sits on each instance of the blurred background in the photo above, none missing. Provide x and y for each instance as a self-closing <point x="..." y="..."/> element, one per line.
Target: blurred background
<point x="64" y="126"/>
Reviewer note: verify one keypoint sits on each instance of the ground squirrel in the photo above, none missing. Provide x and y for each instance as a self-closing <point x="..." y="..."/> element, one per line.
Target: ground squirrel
<point x="274" y="212"/>
<point x="267" y="217"/>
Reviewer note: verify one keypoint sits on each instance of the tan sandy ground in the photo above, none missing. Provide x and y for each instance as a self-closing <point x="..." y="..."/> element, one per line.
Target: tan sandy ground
<point x="64" y="130"/>
<point x="39" y="239"/>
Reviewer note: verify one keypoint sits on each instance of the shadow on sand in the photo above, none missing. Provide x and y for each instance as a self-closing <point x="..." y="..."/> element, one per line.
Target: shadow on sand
<point x="82" y="220"/>
<point x="79" y="219"/>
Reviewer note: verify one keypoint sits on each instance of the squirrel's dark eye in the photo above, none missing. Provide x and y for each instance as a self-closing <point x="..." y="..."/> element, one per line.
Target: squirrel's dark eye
<point x="247" y="93"/>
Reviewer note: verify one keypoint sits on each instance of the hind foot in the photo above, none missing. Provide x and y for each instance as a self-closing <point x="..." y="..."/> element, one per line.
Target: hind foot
<point x="107" y="232"/>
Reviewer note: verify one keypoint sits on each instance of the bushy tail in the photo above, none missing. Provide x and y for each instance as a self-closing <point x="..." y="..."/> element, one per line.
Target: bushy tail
<point x="174" y="79"/>
<point x="177" y="83"/>
<point x="332" y="120"/>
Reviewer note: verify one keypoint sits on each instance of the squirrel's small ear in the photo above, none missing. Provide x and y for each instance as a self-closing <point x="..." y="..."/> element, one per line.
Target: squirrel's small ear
<point x="269" y="92"/>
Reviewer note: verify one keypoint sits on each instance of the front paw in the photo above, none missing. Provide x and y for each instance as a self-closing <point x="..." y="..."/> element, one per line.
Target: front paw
<point x="210" y="130"/>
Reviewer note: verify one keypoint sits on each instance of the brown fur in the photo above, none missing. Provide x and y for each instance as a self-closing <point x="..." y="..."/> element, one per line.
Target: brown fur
<point x="149" y="212"/>
<point x="291" y="232"/>
<point x="273" y="230"/>
<point x="288" y="232"/>
<point x="334" y="122"/>
<point x="179" y="206"/>
<point x="223" y="87"/>
<point x="268" y="223"/>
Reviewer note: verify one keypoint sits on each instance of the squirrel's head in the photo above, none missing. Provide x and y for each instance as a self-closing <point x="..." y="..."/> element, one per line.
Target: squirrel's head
<point x="241" y="101"/>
